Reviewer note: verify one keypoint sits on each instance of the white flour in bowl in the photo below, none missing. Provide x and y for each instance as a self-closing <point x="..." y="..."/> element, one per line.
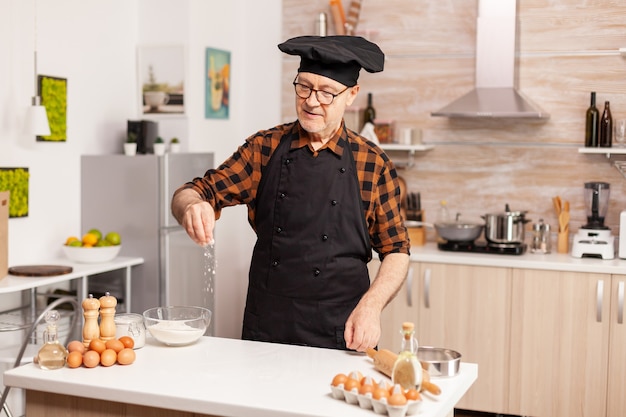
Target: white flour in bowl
<point x="175" y="333"/>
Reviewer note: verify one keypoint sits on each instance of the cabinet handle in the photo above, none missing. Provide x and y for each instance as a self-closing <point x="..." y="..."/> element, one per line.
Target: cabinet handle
<point x="427" y="288"/>
<point x="599" y="292"/>
<point x="409" y="286"/>
<point x="620" y="302"/>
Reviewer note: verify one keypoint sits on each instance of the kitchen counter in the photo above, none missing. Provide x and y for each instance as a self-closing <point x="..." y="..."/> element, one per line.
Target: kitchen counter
<point x="221" y="377"/>
<point x="552" y="261"/>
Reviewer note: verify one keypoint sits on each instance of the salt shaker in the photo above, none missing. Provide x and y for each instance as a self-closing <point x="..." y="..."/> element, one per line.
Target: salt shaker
<point x="541" y="238"/>
<point x="91" y="330"/>
<point x="107" y="313"/>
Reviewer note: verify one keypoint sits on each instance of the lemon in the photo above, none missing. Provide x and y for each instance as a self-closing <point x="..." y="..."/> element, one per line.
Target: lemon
<point x="76" y="243"/>
<point x="70" y="240"/>
<point x="89" y="239"/>
<point x="113" y="238"/>
<point x="96" y="232"/>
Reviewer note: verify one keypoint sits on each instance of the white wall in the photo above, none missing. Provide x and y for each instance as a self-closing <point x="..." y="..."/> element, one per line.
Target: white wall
<point x="251" y="36"/>
<point x="93" y="45"/>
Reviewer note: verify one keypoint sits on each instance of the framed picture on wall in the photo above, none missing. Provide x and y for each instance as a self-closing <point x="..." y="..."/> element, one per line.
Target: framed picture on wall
<point x="53" y="93"/>
<point x="15" y="181"/>
<point x="217" y="83"/>
<point x="161" y="80"/>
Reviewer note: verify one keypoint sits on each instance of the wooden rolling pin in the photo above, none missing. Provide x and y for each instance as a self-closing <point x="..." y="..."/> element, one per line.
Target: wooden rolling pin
<point x="383" y="361"/>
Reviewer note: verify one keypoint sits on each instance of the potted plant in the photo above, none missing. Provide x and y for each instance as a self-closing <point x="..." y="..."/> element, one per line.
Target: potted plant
<point x="154" y="94"/>
<point x="159" y="146"/>
<point x="174" y="145"/>
<point x="130" y="147"/>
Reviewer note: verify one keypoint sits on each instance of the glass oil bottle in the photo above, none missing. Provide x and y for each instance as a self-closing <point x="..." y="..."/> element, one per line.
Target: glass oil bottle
<point x="407" y="370"/>
<point x="52" y="354"/>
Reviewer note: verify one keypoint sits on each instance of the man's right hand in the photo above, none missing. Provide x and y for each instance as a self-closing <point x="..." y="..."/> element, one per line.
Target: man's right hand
<point x="195" y="215"/>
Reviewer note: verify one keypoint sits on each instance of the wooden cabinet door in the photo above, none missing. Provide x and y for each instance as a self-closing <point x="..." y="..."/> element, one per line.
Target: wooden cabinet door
<point x="467" y="309"/>
<point x="616" y="400"/>
<point x="402" y="308"/>
<point x="559" y="343"/>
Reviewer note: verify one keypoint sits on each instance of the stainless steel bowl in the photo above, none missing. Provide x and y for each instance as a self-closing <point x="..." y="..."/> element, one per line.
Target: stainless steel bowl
<point x="439" y="361"/>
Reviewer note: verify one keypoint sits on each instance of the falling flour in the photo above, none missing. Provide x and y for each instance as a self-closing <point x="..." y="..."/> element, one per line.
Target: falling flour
<point x="208" y="289"/>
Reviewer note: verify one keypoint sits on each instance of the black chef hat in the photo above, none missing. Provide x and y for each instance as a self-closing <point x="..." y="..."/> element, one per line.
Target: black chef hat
<point x="337" y="57"/>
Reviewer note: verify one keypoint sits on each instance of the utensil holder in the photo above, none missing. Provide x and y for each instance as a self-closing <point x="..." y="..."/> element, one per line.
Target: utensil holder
<point x="562" y="243"/>
<point x="417" y="215"/>
<point x="417" y="234"/>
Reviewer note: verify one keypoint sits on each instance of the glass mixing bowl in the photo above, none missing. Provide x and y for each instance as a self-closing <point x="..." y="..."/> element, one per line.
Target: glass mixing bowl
<point x="177" y="325"/>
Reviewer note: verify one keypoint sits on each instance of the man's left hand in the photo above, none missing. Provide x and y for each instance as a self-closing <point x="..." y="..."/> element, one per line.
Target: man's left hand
<point x="362" y="328"/>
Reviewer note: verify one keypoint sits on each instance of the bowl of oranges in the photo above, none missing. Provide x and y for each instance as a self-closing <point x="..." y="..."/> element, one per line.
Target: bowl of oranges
<point x="93" y="247"/>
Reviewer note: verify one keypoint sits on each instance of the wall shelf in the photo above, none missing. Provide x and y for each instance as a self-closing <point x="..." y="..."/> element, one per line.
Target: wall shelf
<point x="410" y="150"/>
<point x="607" y="151"/>
<point x="619" y="165"/>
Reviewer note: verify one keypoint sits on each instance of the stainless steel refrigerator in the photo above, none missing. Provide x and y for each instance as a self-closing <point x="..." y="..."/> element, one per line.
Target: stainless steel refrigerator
<point x="131" y="195"/>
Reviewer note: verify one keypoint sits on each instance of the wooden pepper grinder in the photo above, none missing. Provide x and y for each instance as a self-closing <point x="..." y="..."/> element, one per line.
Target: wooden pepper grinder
<point x="107" y="316"/>
<point x="91" y="330"/>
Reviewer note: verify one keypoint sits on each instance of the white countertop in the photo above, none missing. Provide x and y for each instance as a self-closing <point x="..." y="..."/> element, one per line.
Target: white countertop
<point x="552" y="261"/>
<point x="230" y="377"/>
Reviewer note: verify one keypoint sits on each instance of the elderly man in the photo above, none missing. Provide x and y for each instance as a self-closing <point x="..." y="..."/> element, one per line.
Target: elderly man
<point x="320" y="198"/>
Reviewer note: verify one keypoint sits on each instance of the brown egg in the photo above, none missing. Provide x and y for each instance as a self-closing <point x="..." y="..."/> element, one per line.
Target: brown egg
<point x="98" y="345"/>
<point x="351" y="383"/>
<point x="91" y="359"/>
<point x="76" y="346"/>
<point x="380" y="393"/>
<point x="114" y="344"/>
<point x="412" y="394"/>
<point x="128" y="341"/>
<point x="339" y="379"/>
<point x="108" y="357"/>
<point x="367" y="386"/>
<point x="74" y="359"/>
<point x="356" y="375"/>
<point x="397" y="396"/>
<point x="126" y="356"/>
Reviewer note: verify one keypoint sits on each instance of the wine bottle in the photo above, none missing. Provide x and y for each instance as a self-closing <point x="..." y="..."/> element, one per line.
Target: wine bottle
<point x="592" y="123"/>
<point x="606" y="127"/>
<point x="370" y="112"/>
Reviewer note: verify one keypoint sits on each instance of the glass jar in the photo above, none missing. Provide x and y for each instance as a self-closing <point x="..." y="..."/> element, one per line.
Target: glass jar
<point x="131" y="324"/>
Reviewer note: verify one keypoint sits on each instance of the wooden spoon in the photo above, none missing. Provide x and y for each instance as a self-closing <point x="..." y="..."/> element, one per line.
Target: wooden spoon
<point x="556" y="201"/>
<point x="564" y="218"/>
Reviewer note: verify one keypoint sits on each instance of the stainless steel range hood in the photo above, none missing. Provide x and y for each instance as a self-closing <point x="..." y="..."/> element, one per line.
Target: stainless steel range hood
<point x="495" y="94"/>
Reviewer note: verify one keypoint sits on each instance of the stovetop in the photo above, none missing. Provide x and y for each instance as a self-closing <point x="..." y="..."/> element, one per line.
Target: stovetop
<point x="483" y="247"/>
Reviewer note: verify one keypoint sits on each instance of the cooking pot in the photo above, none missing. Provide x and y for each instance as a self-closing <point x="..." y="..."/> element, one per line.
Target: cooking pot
<point x="507" y="227"/>
<point x="455" y="231"/>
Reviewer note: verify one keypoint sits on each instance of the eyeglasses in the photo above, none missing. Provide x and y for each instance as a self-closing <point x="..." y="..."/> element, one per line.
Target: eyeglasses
<point x="323" y="97"/>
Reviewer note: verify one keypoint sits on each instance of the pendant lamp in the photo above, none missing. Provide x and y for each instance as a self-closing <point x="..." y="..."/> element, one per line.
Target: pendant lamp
<point x="36" y="116"/>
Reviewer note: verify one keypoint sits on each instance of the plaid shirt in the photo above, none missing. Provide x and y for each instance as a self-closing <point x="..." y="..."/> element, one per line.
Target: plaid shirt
<point x="236" y="181"/>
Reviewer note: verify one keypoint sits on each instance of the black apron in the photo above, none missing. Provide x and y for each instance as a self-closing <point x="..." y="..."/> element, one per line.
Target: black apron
<point x="309" y="265"/>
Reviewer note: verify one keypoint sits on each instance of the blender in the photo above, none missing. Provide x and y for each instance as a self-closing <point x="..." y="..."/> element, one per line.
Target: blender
<point x="594" y="239"/>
